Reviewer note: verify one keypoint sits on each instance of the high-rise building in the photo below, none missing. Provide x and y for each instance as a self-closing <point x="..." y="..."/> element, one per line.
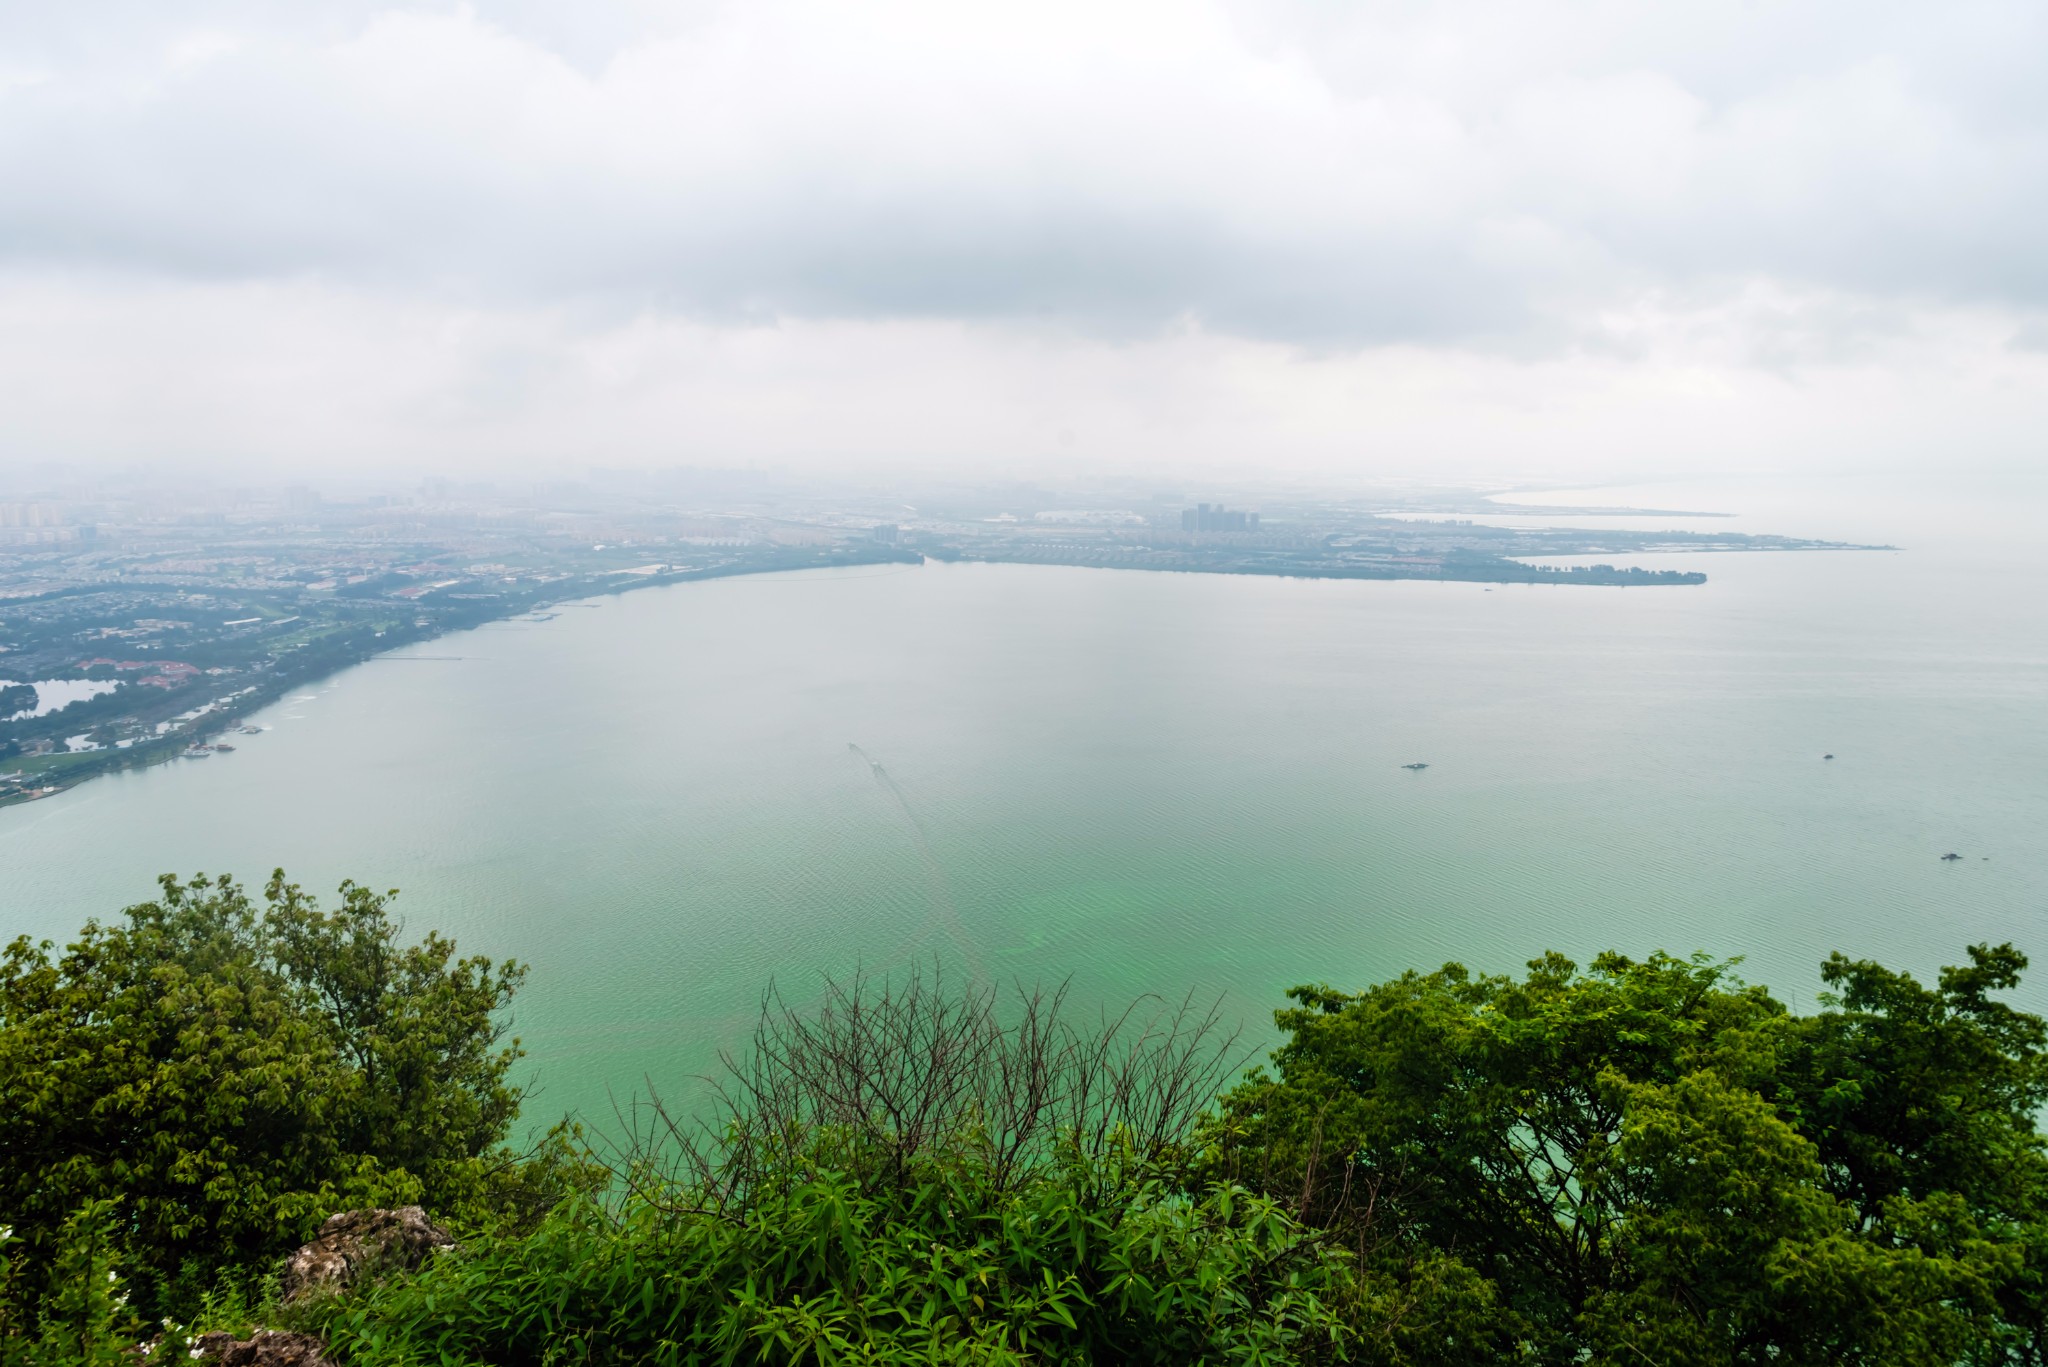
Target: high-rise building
<point x="1205" y="517"/>
<point x="29" y="515"/>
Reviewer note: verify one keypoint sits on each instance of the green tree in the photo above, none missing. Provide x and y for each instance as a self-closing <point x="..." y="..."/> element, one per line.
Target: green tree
<point x="229" y="1073"/>
<point x="1921" y="1102"/>
<point x="1654" y="1162"/>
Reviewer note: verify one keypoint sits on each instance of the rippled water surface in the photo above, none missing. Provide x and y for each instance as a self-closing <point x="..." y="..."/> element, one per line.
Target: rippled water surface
<point x="1149" y="782"/>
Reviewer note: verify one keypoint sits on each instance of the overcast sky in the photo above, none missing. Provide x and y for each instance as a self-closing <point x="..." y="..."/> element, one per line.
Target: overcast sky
<point x="1505" y="237"/>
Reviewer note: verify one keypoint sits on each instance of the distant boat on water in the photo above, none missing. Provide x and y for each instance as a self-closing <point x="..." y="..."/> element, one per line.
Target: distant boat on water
<point x="1417" y="767"/>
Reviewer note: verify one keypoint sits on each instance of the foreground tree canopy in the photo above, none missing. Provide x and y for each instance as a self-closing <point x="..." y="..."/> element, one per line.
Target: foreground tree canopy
<point x="227" y="1073"/>
<point x="1652" y="1162"/>
<point x="1632" y="1162"/>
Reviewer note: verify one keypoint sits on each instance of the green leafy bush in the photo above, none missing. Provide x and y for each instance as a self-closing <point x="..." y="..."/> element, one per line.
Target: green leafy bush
<point x="942" y="1269"/>
<point x="227" y="1074"/>
<point x="86" y="1321"/>
<point x="1653" y="1162"/>
<point x="906" y="1174"/>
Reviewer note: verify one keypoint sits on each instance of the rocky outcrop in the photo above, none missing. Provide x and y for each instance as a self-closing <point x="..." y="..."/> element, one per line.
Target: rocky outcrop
<point x="349" y="1247"/>
<point x="264" y="1348"/>
<point x="361" y="1243"/>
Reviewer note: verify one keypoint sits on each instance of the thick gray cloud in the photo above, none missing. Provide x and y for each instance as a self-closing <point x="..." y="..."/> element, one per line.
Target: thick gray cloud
<point x="1566" y="235"/>
<point x="1492" y="173"/>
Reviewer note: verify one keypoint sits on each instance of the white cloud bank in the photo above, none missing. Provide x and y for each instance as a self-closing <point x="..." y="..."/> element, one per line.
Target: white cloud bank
<point x="1555" y="234"/>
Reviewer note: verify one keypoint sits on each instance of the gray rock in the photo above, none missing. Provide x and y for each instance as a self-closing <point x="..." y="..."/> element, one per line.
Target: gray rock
<point x="360" y="1243"/>
<point x="264" y="1348"/>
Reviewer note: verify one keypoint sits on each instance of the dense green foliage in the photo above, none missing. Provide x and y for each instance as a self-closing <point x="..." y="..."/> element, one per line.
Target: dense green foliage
<point x="1637" y="1162"/>
<point x="1651" y="1162"/>
<point x="1072" y="1267"/>
<point x="903" y="1174"/>
<point x="229" y="1073"/>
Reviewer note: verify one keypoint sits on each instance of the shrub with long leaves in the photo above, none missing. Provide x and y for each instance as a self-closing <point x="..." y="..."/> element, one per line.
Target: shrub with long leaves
<point x="905" y="1172"/>
<point x="941" y="1268"/>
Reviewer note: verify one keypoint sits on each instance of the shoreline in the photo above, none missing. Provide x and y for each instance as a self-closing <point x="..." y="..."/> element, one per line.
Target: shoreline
<point x="233" y="711"/>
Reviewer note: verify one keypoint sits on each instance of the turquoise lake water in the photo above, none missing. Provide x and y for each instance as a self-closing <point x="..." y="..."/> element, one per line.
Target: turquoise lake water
<point x="1151" y="782"/>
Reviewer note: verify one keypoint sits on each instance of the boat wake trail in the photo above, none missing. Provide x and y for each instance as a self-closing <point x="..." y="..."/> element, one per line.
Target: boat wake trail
<point x="945" y="913"/>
